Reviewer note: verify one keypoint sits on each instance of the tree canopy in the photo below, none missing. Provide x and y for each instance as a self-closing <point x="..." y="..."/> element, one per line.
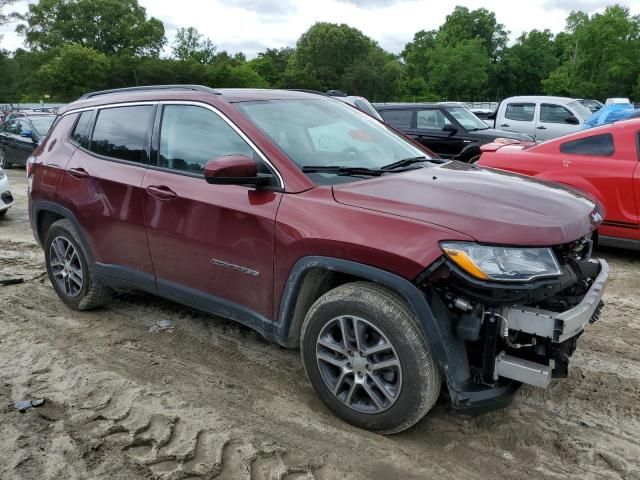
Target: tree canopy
<point x="107" y="26"/>
<point x="79" y="45"/>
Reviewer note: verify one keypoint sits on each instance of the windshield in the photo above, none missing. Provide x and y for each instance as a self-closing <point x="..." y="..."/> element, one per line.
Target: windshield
<point x="323" y="132"/>
<point x="582" y="111"/>
<point x="467" y="119"/>
<point x="42" y="124"/>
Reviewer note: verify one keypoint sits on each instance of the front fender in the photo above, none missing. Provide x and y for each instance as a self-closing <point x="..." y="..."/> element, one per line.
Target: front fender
<point x="448" y="350"/>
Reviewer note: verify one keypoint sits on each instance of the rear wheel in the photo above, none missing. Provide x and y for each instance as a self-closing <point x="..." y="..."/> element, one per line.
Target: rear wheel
<point x="3" y="160"/>
<point x="367" y="359"/>
<point x="72" y="277"/>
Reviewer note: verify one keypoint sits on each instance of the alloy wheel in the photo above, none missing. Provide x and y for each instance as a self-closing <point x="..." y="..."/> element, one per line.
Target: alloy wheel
<point x="66" y="266"/>
<point x="359" y="364"/>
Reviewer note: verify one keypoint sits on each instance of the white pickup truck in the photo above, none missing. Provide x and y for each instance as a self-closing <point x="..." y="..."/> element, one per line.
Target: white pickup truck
<point x="541" y="117"/>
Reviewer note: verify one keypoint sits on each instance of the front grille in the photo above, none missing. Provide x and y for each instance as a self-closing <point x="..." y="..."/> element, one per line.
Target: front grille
<point x="578" y="250"/>
<point x="7" y="198"/>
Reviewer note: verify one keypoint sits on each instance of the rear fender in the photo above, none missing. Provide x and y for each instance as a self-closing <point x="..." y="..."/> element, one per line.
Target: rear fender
<point x="573" y="181"/>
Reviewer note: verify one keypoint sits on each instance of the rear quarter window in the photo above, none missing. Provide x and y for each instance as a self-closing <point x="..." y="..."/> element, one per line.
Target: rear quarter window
<point x="81" y="131"/>
<point x="522" y="112"/>
<point x="596" y="146"/>
<point x="397" y="118"/>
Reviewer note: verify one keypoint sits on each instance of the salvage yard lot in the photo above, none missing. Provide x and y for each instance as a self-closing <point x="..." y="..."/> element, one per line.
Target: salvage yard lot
<point x="213" y="400"/>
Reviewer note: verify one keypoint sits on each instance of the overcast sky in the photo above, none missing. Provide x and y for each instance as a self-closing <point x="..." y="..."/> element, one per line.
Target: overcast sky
<point x="251" y="26"/>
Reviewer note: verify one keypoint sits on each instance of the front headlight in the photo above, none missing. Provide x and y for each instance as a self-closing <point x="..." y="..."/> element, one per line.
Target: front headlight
<point x="513" y="264"/>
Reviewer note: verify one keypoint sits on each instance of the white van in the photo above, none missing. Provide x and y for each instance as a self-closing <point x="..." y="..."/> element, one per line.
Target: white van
<point x="541" y="117"/>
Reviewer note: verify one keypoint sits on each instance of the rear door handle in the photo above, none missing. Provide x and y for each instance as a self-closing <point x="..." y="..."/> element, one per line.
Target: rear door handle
<point x="161" y="192"/>
<point x="78" y="173"/>
<point x="542" y="128"/>
<point x="504" y="125"/>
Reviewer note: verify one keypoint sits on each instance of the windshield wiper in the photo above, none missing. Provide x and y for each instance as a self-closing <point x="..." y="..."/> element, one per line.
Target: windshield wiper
<point x="342" y="170"/>
<point x="405" y="162"/>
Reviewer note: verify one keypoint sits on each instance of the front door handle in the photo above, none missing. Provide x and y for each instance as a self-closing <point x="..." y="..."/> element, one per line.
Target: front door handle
<point x="78" y="173"/>
<point x="504" y="125"/>
<point x="161" y="192"/>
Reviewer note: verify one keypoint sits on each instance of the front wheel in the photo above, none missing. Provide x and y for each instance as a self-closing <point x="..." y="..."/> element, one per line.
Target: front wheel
<point x="367" y="359"/>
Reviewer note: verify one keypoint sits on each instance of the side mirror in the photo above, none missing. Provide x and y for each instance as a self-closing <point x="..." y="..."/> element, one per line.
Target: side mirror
<point x="233" y="170"/>
<point x="572" y="120"/>
<point x="27" y="134"/>
<point x="449" y="127"/>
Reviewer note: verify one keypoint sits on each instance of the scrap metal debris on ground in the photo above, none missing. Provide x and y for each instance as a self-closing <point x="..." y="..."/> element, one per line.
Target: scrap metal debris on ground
<point x="23" y="405"/>
<point x="163" y="326"/>
<point x="11" y="281"/>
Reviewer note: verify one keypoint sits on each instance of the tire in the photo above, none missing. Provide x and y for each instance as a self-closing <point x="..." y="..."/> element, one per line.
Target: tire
<point x="84" y="294"/>
<point x="474" y="159"/>
<point x="382" y="317"/>
<point x="4" y="164"/>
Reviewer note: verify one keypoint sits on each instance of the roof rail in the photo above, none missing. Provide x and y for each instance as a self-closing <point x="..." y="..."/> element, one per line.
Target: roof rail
<point x="307" y="90"/>
<point x="196" y="88"/>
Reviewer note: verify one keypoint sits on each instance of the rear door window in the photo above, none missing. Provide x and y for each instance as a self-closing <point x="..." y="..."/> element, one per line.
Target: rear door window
<point x="596" y="146"/>
<point x="398" y="118"/>
<point x="550" y="113"/>
<point x="521" y="112"/>
<point x="122" y="133"/>
<point x="431" y="119"/>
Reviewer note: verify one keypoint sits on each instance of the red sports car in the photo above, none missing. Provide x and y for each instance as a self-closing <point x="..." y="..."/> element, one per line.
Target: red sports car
<point x="602" y="162"/>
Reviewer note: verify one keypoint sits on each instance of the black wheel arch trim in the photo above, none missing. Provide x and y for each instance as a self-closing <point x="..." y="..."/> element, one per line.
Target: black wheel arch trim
<point x="448" y="350"/>
<point x="39" y="206"/>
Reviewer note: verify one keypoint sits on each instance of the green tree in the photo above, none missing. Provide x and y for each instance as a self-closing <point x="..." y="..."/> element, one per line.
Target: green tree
<point x="323" y="55"/>
<point x="106" y="26"/>
<point x="464" y="24"/>
<point x="460" y="72"/>
<point x="472" y="36"/>
<point x="189" y="44"/>
<point x="4" y="17"/>
<point x="272" y="64"/>
<point x="527" y="63"/>
<point x="416" y="53"/>
<point x="74" y="71"/>
<point x="600" y="56"/>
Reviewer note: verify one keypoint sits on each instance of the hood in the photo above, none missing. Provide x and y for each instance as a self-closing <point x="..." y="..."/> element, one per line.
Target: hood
<point x="490" y="206"/>
<point x="491" y="133"/>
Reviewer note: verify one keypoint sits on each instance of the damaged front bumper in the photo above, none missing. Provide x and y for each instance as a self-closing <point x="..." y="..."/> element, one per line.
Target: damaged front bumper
<point x="558" y="327"/>
<point x="504" y="336"/>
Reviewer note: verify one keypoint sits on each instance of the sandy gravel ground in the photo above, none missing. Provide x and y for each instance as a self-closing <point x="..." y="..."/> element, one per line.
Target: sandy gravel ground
<point x="212" y="400"/>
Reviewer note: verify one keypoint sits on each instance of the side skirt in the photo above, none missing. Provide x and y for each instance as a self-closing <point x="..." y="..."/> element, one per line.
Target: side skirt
<point x="616" y="242"/>
<point x="116" y="276"/>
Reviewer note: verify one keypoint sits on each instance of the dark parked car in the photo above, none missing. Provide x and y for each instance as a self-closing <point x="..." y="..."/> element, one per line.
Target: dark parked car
<point x="449" y="129"/>
<point x="20" y="135"/>
<point x="325" y="230"/>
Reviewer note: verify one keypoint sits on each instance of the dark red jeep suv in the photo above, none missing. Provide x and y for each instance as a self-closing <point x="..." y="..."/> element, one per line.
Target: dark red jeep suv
<point x="325" y="230"/>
